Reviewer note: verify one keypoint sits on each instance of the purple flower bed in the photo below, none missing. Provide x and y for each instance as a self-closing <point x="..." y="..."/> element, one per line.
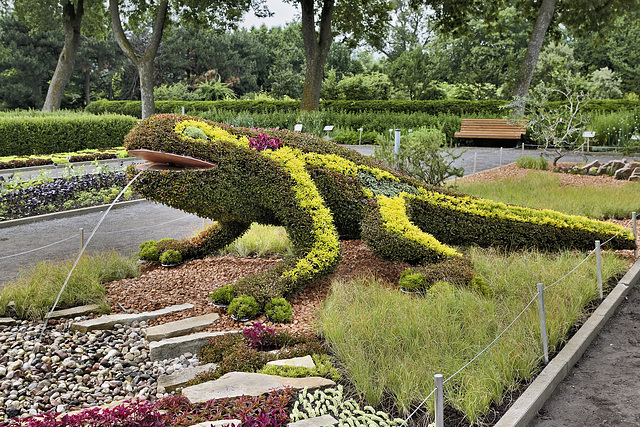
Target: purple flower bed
<point x="59" y="195"/>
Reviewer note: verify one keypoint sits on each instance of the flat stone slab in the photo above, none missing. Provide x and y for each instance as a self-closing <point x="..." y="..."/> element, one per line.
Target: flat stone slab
<point x="7" y="321"/>
<point x="304" y="362"/>
<point x="175" y="347"/>
<point x="324" y="420"/>
<point x="72" y="312"/>
<point x="181" y="327"/>
<point x="235" y="384"/>
<point x="218" y="423"/>
<point x="109" y="320"/>
<point x="181" y="378"/>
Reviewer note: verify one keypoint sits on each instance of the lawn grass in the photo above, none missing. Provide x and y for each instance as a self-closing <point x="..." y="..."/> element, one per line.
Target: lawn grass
<point x="37" y="288"/>
<point x="393" y="344"/>
<point x="261" y="241"/>
<point x="542" y="190"/>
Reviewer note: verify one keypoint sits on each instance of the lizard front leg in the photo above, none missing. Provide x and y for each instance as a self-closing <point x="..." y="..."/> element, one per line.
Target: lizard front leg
<point x="215" y="237"/>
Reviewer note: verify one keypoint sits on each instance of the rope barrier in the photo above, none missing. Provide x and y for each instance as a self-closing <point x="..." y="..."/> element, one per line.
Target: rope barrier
<point x="418" y="407"/>
<point x="37" y="249"/>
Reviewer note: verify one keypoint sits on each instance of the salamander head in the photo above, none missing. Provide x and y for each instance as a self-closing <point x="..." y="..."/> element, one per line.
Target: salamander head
<point x="175" y="142"/>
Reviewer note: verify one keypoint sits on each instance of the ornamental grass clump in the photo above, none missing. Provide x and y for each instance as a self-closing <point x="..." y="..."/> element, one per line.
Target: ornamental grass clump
<point x="391" y="345"/>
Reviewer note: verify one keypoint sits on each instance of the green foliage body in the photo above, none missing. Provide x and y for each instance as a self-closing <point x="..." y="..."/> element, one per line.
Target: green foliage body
<point x="244" y="307"/>
<point x="319" y="191"/>
<point x="527" y="162"/>
<point x="279" y="310"/>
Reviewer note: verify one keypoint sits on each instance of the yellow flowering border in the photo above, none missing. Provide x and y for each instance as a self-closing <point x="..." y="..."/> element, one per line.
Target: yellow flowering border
<point x="325" y="250"/>
<point x="394" y="215"/>
<point x="490" y="209"/>
<point x="214" y="133"/>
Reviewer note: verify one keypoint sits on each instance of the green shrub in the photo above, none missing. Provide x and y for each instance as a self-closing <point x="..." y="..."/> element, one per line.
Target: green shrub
<point x="412" y="282"/>
<point x="170" y="257"/>
<point x="244" y="307"/>
<point x="223" y="295"/>
<point x="46" y="134"/>
<point x="324" y="368"/>
<point x="278" y="310"/>
<point x="528" y="162"/>
<point x="479" y="285"/>
<point x="149" y="251"/>
<point x="456" y="271"/>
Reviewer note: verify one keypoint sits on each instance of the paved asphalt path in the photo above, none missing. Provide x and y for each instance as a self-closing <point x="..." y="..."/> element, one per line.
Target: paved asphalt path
<point x="123" y="229"/>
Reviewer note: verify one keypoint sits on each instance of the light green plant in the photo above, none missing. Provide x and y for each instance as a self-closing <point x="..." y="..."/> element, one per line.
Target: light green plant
<point x="324" y="368"/>
<point x="347" y="411"/>
<point x="528" y="162"/>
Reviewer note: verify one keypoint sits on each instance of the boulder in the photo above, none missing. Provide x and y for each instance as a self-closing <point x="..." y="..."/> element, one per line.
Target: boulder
<point x="586" y="168"/>
<point x="304" y="362"/>
<point x="235" y="384"/>
<point x="635" y="175"/>
<point x="610" y="167"/>
<point x="626" y="171"/>
<point x="181" y="378"/>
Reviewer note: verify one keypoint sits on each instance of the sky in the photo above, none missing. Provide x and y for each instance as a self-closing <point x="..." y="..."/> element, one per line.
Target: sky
<point x="283" y="13"/>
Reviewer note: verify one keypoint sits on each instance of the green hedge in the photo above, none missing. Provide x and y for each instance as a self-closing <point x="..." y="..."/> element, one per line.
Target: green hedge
<point x="23" y="135"/>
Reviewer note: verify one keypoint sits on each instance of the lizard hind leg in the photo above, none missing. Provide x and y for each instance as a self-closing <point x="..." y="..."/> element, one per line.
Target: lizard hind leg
<point x="389" y="233"/>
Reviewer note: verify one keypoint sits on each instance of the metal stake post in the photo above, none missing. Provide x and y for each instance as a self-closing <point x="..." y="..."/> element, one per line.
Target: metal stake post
<point x="599" y="267"/>
<point x="543" y="322"/>
<point x="635" y="233"/>
<point x="475" y="160"/>
<point x="81" y="238"/>
<point x="360" y="138"/>
<point x="396" y="144"/>
<point x="439" y="400"/>
<point x="523" y="149"/>
<point x="500" y="156"/>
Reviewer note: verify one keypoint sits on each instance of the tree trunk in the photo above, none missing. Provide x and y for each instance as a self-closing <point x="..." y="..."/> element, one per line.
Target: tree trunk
<point x="316" y="49"/>
<point x="87" y="86"/>
<point x="145" y="70"/>
<point x="72" y="20"/>
<point x="144" y="61"/>
<point x="545" y="16"/>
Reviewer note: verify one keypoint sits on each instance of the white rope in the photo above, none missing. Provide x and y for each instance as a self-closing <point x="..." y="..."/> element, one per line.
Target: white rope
<point x="46" y="320"/>
<point x="494" y="341"/>
<point x="418" y="407"/>
<point x="574" y="269"/>
<point x="617" y="234"/>
<point x="146" y="226"/>
<point x="37" y="249"/>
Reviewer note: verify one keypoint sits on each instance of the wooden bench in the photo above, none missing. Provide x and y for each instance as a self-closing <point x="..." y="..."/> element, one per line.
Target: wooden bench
<point x="490" y="129"/>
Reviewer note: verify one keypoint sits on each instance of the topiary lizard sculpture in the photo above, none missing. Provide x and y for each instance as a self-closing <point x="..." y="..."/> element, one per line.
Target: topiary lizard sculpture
<point x="321" y="192"/>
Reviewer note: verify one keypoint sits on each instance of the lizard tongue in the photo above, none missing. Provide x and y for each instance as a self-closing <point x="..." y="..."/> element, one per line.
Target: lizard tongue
<point x="168" y="161"/>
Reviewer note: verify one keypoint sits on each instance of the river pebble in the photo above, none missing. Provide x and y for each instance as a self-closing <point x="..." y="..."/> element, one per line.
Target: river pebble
<point x="67" y="370"/>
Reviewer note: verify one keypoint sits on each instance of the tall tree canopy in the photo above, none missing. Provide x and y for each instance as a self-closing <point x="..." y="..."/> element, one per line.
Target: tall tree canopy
<point x="44" y="15"/>
<point x="142" y="14"/>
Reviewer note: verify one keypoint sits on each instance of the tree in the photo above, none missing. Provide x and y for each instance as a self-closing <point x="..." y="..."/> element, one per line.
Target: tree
<point x="217" y="14"/>
<point x="38" y="15"/>
<point x="558" y="126"/>
<point x="26" y="60"/>
<point x="350" y="18"/>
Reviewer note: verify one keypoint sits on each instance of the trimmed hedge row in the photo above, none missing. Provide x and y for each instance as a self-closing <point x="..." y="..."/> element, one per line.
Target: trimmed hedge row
<point x="29" y="135"/>
<point x="462" y="108"/>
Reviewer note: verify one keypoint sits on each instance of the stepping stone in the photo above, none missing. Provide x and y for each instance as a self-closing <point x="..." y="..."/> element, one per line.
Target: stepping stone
<point x="235" y="384"/>
<point x="296" y="362"/>
<point x="108" y="321"/>
<point x="72" y="312"/>
<point x="7" y="321"/>
<point x="220" y="423"/>
<point x="181" y="378"/>
<point x="324" y="420"/>
<point x="175" y="347"/>
<point x="181" y="327"/>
